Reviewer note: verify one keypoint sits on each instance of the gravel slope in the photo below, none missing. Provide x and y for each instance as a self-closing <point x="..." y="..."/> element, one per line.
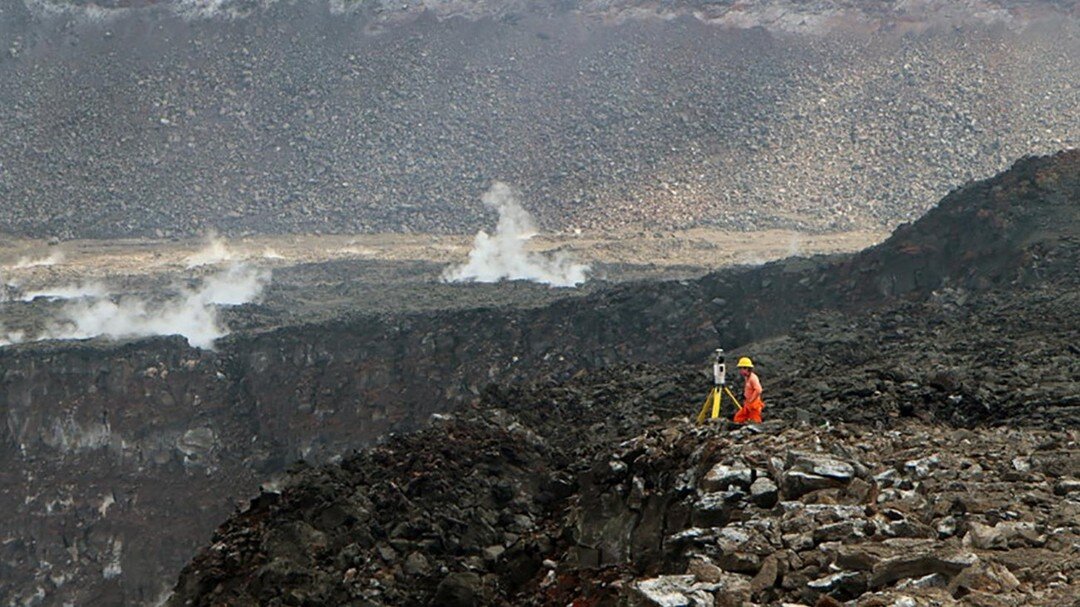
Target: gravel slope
<point x="299" y="118"/>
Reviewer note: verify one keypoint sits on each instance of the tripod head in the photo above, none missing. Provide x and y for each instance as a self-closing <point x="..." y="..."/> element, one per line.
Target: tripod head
<point x="719" y="368"/>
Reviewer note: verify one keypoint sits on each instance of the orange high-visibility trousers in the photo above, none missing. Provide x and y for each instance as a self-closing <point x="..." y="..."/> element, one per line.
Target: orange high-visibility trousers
<point x="752" y="403"/>
<point x="750" y="412"/>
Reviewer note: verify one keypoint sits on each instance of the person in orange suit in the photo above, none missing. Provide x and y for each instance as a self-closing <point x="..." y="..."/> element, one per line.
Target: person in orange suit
<point x="752" y="403"/>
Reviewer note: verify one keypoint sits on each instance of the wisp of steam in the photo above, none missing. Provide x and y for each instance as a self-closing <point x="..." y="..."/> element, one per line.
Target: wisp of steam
<point x="192" y="312"/>
<point x="9" y="337"/>
<point x="90" y="310"/>
<point x="215" y="252"/>
<point x="79" y="291"/>
<point x="37" y="262"/>
<point x="502" y="255"/>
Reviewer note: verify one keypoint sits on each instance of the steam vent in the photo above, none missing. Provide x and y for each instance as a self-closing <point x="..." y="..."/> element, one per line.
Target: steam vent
<point x="456" y="304"/>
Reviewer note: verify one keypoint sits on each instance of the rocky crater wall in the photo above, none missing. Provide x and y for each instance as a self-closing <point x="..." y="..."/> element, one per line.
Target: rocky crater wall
<point x="609" y="115"/>
<point x="117" y="461"/>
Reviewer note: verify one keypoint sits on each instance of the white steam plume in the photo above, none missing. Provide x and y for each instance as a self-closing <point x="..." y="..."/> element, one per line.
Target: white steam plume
<point x="215" y="252"/>
<point x="502" y="255"/>
<point x="10" y="337"/>
<point x="191" y="312"/>
<point x="357" y="251"/>
<point x="79" y="291"/>
<point x="29" y="262"/>
<point x="794" y="247"/>
<point x="236" y="286"/>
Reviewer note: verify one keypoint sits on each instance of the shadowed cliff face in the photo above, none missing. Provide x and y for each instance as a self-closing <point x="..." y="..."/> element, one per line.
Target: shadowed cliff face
<point x="118" y="460"/>
<point x="105" y="446"/>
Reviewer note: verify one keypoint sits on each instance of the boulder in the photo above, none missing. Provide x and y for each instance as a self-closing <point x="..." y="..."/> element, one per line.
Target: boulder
<point x="820" y="465"/>
<point x="1066" y="486"/>
<point x="934" y="580"/>
<point x="915" y="565"/>
<point x="742" y="548"/>
<point x="766" y="576"/>
<point x="921" y="468"/>
<point x="459" y="590"/>
<point x="866" y="556"/>
<point x="416" y="564"/>
<point x="714" y="509"/>
<point x="733" y="590"/>
<point x="907" y="528"/>
<point x="197" y="446"/>
<point x="844" y="531"/>
<point x="764" y="492"/>
<point x="984" y="576"/>
<point x="796" y="484"/>
<point x="722" y="476"/>
<point x="848" y="582"/>
<point x="859" y="491"/>
<point x="1013" y="534"/>
<point x="798" y="517"/>
<point x="671" y="591"/>
<point x="704" y="570"/>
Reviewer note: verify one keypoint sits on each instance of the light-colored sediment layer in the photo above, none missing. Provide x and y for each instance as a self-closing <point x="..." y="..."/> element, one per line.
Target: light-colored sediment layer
<point x="35" y="260"/>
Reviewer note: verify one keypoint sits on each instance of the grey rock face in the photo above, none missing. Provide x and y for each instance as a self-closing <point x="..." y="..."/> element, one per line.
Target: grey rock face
<point x="722" y="476"/>
<point x="352" y="116"/>
<point x="672" y="591"/>
<point x="764" y="492"/>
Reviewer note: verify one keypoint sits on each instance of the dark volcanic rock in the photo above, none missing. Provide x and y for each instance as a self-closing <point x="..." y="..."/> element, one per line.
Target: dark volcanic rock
<point x="886" y="509"/>
<point x="424" y="522"/>
<point x="123" y="441"/>
<point x="635" y="523"/>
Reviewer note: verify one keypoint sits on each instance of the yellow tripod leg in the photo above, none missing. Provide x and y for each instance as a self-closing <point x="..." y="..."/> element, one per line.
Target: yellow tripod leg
<point x="704" y="409"/>
<point x="716" y="403"/>
<point x="733" y="399"/>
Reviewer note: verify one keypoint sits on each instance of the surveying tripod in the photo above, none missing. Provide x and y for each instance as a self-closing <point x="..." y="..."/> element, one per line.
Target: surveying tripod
<point x="719" y="389"/>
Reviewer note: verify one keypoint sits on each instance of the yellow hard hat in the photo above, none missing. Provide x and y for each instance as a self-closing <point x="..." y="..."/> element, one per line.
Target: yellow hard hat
<point x="745" y="362"/>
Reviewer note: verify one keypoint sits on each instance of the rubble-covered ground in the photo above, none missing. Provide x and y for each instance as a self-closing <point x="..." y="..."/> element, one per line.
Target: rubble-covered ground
<point x="878" y="483"/>
<point x="343" y="117"/>
<point x="493" y="507"/>
<point x="917" y="452"/>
